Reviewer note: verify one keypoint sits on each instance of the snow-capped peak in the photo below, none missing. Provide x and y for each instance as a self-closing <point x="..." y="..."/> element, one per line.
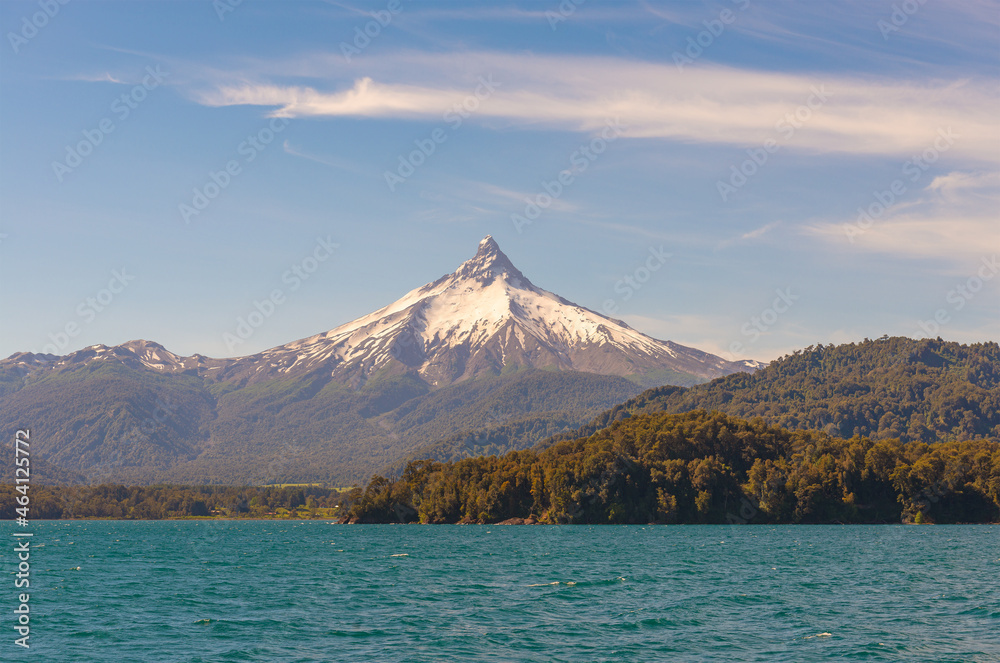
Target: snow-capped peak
<point x="488" y="263"/>
<point x="485" y="317"/>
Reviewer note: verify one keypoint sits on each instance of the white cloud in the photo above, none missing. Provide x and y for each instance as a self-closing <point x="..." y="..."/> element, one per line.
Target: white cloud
<point x="957" y="216"/>
<point x="106" y="77"/>
<point x="703" y="104"/>
<point x="952" y="184"/>
<point x="753" y="234"/>
<point x="926" y="236"/>
<point x="365" y="98"/>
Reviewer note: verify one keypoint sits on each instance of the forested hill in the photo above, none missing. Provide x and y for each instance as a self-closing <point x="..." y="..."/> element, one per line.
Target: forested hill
<point x="700" y="467"/>
<point x="913" y="390"/>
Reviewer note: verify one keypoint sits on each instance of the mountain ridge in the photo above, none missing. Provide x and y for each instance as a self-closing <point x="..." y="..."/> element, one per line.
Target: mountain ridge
<point x="923" y="391"/>
<point x="485" y="317"/>
<point x="343" y="403"/>
<point x="926" y="390"/>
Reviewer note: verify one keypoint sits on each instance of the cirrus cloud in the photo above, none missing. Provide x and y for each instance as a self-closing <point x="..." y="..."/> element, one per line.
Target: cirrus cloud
<point x="707" y="104"/>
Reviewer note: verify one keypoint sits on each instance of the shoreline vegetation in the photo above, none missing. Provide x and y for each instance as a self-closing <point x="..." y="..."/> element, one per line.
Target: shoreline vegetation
<point x="694" y="468"/>
<point x="167" y="502"/>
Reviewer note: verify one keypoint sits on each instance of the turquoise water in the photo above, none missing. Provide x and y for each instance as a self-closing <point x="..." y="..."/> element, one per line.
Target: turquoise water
<point x="311" y="591"/>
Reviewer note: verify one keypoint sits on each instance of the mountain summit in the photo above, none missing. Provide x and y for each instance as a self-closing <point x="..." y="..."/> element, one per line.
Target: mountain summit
<point x="487" y="318"/>
<point x="489" y="263"/>
<point x="340" y="405"/>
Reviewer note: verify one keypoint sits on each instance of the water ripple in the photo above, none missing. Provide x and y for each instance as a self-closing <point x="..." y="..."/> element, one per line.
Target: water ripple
<point x="264" y="591"/>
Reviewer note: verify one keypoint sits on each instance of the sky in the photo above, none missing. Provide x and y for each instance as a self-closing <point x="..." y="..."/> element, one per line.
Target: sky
<point x="748" y="178"/>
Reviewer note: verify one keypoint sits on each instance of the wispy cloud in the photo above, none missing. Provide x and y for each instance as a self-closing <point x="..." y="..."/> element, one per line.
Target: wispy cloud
<point x="957" y="216"/>
<point x="931" y="236"/>
<point x="708" y="333"/>
<point x="488" y="198"/>
<point x="982" y="185"/>
<point x="748" y="236"/>
<point x="709" y="104"/>
<point x="335" y="162"/>
<point x="625" y="229"/>
<point x="753" y="234"/>
<point x="104" y="77"/>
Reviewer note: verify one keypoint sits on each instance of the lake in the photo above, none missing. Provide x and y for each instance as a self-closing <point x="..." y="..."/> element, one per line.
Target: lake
<point x="313" y="591"/>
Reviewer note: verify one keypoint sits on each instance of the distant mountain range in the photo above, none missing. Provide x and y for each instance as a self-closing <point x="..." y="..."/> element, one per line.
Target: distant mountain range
<point x="480" y="347"/>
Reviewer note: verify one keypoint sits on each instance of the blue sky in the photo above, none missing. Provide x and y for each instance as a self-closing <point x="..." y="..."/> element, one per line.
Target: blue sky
<point x="167" y="168"/>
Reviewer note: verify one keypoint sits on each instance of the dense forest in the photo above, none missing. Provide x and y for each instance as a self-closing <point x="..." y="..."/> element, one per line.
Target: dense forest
<point x="700" y="467"/>
<point x="892" y="388"/>
<point x="161" y="502"/>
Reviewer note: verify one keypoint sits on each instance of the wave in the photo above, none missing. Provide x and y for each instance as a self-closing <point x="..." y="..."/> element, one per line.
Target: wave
<point x="583" y="583"/>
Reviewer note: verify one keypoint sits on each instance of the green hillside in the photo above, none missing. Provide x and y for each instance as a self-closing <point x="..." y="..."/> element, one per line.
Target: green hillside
<point x="108" y="421"/>
<point x="700" y="467"/>
<point x="912" y="390"/>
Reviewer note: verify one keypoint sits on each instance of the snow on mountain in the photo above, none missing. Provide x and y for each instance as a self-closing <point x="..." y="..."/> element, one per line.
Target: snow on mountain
<point x="135" y="354"/>
<point x="484" y="318"/>
<point x="487" y="317"/>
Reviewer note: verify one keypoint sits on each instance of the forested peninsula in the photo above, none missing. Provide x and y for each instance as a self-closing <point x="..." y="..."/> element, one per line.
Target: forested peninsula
<point x="699" y="467"/>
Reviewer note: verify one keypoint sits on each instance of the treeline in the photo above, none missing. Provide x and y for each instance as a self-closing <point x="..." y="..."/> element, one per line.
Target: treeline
<point x="499" y="438"/>
<point x="700" y="467"/>
<point x="161" y="502"/>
